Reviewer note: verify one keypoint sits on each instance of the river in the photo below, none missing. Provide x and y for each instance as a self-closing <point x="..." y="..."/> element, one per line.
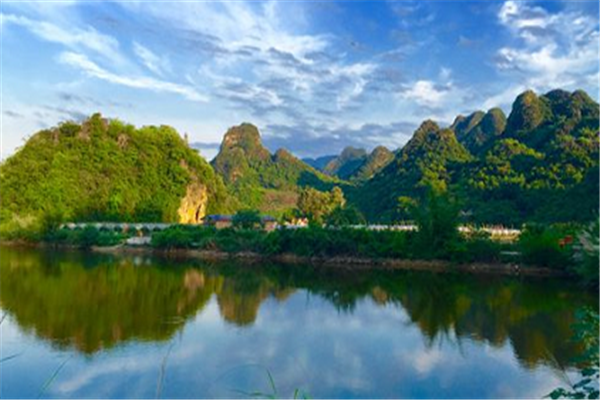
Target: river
<point x="79" y="324"/>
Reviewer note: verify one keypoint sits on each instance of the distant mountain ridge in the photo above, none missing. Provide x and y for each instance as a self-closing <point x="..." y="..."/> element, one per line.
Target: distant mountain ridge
<point x="319" y="163"/>
<point x="539" y="163"/>
<point x="353" y="164"/>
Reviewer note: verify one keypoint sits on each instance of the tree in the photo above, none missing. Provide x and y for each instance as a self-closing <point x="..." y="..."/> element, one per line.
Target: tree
<point x="316" y="205"/>
<point x="247" y="219"/>
<point x="586" y="333"/>
<point x="437" y="222"/>
<point x="344" y="216"/>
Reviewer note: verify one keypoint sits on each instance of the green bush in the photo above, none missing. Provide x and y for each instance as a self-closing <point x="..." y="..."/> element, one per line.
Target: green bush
<point x="585" y="333"/>
<point x="437" y="220"/>
<point x="316" y="241"/>
<point x="546" y="246"/>
<point x="587" y="251"/>
<point x="182" y="236"/>
<point x="237" y="240"/>
<point x="247" y="219"/>
<point x="480" y="247"/>
<point x="85" y="238"/>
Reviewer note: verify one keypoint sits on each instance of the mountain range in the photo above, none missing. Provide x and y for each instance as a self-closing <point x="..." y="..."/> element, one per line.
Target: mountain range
<point x="539" y="163"/>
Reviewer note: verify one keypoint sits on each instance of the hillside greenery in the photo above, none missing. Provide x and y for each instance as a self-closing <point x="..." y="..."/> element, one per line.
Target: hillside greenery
<point x="538" y="165"/>
<point x="259" y="179"/>
<point x="103" y="170"/>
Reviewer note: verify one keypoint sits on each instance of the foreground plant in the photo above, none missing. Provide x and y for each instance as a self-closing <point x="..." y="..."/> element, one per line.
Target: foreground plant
<point x="586" y="333"/>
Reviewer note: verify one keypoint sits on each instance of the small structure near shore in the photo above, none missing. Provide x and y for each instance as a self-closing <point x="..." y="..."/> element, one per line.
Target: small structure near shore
<point x="220" y="221"/>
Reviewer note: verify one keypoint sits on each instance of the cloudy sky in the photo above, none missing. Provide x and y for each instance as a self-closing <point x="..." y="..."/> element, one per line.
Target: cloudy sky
<point x="314" y="76"/>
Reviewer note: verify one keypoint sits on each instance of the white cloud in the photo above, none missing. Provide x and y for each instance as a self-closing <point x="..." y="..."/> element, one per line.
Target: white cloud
<point x="83" y="63"/>
<point x="74" y="38"/>
<point x="520" y="17"/>
<point x="153" y="62"/>
<point x="258" y="42"/>
<point x="425" y="93"/>
<point x="550" y="50"/>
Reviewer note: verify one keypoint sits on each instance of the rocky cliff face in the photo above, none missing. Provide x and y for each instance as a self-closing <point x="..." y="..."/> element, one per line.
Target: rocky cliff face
<point x="193" y="205"/>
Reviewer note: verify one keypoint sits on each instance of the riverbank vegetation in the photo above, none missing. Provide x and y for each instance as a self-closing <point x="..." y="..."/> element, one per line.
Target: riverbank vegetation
<point x="585" y="334"/>
<point x="570" y="248"/>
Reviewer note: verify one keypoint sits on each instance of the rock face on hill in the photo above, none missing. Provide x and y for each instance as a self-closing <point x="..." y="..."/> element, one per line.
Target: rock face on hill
<point x="107" y="170"/>
<point x="259" y="179"/>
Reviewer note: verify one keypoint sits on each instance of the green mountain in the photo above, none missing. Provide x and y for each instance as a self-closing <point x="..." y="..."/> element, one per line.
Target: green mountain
<point x="479" y="129"/>
<point x="544" y="166"/>
<point x="319" y="163"/>
<point x="377" y="160"/>
<point x="347" y="163"/>
<point x="425" y="161"/>
<point x="259" y="179"/>
<point x="107" y="170"/>
<point x="539" y="164"/>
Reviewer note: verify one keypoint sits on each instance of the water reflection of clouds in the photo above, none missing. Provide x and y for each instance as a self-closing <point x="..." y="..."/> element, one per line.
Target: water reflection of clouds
<point x="370" y="352"/>
<point x="344" y="338"/>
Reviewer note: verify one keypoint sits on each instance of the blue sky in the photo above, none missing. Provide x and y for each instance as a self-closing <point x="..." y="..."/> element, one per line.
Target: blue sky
<point x="314" y="76"/>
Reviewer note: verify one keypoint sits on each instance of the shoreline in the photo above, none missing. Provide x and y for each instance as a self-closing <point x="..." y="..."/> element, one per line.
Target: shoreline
<point x="349" y="263"/>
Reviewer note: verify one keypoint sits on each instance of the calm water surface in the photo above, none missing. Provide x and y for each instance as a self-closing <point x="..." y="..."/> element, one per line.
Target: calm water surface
<point x="88" y="325"/>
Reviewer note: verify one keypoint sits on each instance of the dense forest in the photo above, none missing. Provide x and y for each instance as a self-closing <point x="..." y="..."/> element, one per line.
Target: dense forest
<point x="107" y="170"/>
<point x="539" y="164"/>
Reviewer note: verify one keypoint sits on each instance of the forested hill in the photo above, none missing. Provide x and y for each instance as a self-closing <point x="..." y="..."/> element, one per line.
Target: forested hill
<point x="539" y="164"/>
<point x="259" y="179"/>
<point x="355" y="164"/>
<point x="107" y="170"/>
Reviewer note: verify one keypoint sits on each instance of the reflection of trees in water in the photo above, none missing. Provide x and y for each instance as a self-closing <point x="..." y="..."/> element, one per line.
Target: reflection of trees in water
<point x="93" y="302"/>
<point x="94" y="308"/>
<point x="533" y="315"/>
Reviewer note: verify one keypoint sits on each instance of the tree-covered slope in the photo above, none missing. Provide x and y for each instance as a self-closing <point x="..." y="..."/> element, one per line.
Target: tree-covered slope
<point x="539" y="164"/>
<point x="426" y="161"/>
<point x="107" y="170"/>
<point x="319" y="163"/>
<point x="259" y="179"/>
<point x="377" y="160"/>
<point x="479" y="129"/>
<point x="545" y="164"/>
<point x="347" y="163"/>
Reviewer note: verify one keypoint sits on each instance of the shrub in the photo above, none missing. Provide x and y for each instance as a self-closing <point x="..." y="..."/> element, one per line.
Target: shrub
<point x="344" y="216"/>
<point x="232" y="240"/>
<point x="545" y="246"/>
<point x="437" y="222"/>
<point x="587" y="251"/>
<point x="480" y="247"/>
<point x="586" y="334"/>
<point x="247" y="219"/>
<point x="85" y="238"/>
<point x="182" y="236"/>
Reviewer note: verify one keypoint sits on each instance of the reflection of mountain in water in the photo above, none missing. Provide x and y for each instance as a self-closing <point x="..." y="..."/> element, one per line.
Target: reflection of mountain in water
<point x="92" y="302"/>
